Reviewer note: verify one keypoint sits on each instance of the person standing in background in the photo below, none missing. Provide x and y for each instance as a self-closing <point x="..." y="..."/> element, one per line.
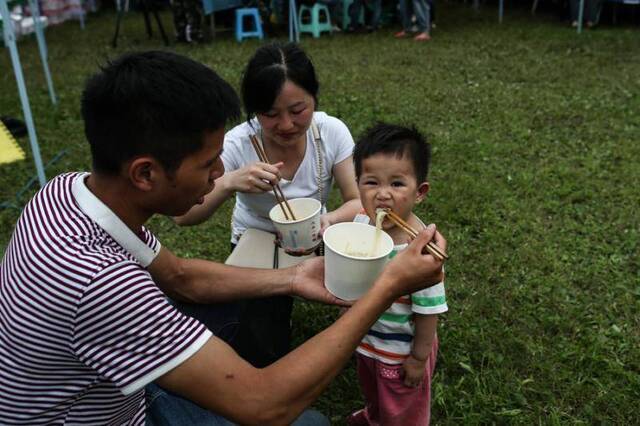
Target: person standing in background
<point x="187" y="19"/>
<point x="422" y="10"/>
<point x="591" y="12"/>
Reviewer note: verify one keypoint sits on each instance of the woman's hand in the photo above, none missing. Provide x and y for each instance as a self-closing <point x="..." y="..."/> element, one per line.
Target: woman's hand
<point x="325" y="222"/>
<point x="254" y="178"/>
<point x="300" y="252"/>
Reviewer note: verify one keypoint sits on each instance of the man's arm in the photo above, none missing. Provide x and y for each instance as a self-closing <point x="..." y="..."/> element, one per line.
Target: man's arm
<point x="217" y="379"/>
<point x="203" y="281"/>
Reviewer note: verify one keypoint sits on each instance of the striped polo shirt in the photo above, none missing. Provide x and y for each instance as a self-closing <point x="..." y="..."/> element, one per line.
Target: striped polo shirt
<point x="83" y="327"/>
<point x="391" y="337"/>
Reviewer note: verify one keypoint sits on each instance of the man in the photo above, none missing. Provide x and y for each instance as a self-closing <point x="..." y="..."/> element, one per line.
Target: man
<point x="84" y="324"/>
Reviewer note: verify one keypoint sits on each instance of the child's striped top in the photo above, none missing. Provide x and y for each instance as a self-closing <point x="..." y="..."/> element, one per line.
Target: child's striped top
<point x="390" y="338"/>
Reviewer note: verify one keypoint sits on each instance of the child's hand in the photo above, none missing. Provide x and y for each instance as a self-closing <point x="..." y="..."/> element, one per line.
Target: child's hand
<point x="325" y="222"/>
<point x="413" y="372"/>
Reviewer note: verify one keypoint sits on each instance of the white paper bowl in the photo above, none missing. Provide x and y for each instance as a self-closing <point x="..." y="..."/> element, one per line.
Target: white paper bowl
<point x="302" y="233"/>
<point x="350" y="276"/>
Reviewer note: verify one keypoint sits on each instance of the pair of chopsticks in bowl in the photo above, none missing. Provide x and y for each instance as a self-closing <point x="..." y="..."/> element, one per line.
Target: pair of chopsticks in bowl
<point x="431" y="247"/>
<point x="277" y="191"/>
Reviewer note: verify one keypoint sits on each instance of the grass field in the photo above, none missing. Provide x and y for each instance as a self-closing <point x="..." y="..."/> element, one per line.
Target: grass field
<point x="536" y="139"/>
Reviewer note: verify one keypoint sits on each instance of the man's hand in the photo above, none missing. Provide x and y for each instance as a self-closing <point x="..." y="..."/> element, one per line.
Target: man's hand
<point x="308" y="282"/>
<point x="413" y="371"/>
<point x="411" y="270"/>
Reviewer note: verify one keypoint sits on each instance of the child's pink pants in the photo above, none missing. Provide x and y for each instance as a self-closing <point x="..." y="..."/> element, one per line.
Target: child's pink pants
<point x="388" y="401"/>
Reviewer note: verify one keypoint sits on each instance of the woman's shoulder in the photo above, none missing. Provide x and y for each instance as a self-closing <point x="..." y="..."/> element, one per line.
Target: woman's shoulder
<point x="322" y="119"/>
<point x="331" y="126"/>
<point x="239" y="133"/>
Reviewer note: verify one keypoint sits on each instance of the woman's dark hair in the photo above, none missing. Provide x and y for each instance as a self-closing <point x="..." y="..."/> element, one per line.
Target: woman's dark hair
<point x="395" y="140"/>
<point x="153" y="103"/>
<point x="267" y="72"/>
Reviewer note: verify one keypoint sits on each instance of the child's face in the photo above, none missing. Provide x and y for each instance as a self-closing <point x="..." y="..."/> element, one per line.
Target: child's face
<point x="387" y="181"/>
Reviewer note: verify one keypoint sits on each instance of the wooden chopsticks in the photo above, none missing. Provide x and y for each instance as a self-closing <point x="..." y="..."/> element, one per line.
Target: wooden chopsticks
<point x="431" y="246"/>
<point x="277" y="191"/>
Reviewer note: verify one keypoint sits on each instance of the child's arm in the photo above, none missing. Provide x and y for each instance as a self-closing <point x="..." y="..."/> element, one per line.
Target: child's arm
<point x="414" y="365"/>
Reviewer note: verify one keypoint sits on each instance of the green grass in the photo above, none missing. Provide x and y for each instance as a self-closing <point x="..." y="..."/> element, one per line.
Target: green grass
<point x="535" y="174"/>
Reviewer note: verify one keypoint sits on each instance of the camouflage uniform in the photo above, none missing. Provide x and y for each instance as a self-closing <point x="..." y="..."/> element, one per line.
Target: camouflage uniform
<point x="187" y="18"/>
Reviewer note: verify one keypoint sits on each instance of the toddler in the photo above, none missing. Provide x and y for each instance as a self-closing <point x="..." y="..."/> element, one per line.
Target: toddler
<point x="397" y="357"/>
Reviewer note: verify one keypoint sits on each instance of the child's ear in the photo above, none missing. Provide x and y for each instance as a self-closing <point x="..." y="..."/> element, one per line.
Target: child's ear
<point x="421" y="192"/>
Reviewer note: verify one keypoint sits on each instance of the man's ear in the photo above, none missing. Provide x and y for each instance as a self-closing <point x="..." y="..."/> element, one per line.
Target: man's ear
<point x="144" y="172"/>
<point x="422" y="191"/>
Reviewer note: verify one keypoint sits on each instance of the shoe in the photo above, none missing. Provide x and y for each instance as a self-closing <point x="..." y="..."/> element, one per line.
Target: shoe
<point x="422" y="37"/>
<point x="401" y="34"/>
<point x="590" y="25"/>
<point x="574" y="24"/>
<point x="358" y="418"/>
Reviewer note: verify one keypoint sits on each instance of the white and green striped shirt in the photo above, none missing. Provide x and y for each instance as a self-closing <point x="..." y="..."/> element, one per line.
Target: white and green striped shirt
<point x="391" y="337"/>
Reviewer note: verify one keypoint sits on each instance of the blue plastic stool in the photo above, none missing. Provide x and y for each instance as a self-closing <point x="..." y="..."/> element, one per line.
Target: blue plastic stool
<point x="250" y="12"/>
<point x="314" y="24"/>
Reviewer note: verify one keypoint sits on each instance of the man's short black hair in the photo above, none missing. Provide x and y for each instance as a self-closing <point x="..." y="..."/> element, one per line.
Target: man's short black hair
<point x="396" y="140"/>
<point x="153" y="103"/>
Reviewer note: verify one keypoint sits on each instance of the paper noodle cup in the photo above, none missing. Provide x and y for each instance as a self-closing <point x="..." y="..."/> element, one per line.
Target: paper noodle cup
<point x="349" y="268"/>
<point x="302" y="233"/>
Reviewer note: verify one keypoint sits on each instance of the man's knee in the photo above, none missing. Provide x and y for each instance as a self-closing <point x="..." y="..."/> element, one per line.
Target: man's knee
<point x="312" y="418"/>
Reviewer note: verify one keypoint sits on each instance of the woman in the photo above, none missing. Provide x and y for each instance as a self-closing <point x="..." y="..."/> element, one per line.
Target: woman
<point x="307" y="151"/>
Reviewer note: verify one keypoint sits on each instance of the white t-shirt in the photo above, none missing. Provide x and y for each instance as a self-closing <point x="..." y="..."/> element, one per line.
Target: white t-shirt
<point x="252" y="210"/>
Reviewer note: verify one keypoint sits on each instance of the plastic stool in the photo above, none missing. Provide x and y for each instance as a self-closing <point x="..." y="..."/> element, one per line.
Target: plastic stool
<point x="346" y="17"/>
<point x="250" y="12"/>
<point x="314" y="25"/>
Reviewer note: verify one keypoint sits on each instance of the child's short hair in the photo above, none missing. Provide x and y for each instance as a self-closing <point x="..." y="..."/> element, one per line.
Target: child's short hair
<point x="394" y="139"/>
<point x="153" y="103"/>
